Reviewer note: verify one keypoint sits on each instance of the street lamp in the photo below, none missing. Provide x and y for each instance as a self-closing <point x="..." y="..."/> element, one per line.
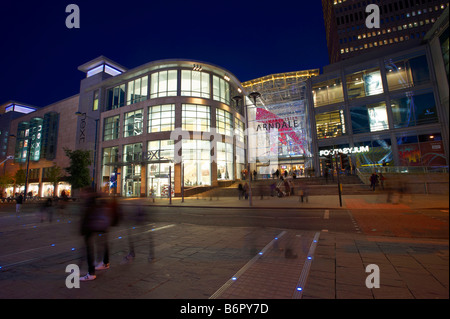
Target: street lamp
<point x="253" y="96"/>
<point x="78" y="113"/>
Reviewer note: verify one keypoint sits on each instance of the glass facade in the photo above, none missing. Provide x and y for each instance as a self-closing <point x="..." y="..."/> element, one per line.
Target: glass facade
<point x="369" y="118"/>
<point x="116" y="97"/>
<point x="133" y="123"/>
<point x="196" y="117"/>
<point x="137" y="90"/>
<point x="225" y="169"/>
<point x="195" y="83"/>
<point x="221" y="90"/>
<point x="413" y="110"/>
<point x="364" y="83"/>
<point x="328" y="92"/>
<point x="330" y="124"/>
<point x="111" y="128"/>
<point x="110" y="156"/>
<point x="164" y="84"/>
<point x="161" y="118"/>
<point x="224" y="122"/>
<point x="197" y="162"/>
<point x="407" y="73"/>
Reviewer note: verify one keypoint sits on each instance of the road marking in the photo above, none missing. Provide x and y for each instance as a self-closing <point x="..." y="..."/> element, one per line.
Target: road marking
<point x="246" y="266"/>
<point x="327" y="214"/>
<point x="298" y="293"/>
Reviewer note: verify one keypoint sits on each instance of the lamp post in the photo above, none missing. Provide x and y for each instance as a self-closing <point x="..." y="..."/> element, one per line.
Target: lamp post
<point x="93" y="185"/>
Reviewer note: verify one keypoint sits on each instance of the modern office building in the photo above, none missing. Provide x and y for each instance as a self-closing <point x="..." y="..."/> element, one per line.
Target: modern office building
<point x="400" y="21"/>
<point x="381" y="109"/>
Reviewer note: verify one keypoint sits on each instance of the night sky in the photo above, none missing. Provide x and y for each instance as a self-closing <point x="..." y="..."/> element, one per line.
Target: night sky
<point x="40" y="55"/>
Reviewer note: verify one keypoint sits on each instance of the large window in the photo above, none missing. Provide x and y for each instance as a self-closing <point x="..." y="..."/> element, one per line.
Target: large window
<point x="221" y="90"/>
<point x="224" y="122"/>
<point x="364" y="83"/>
<point x="197" y="162"/>
<point x="224" y="161"/>
<point x="328" y="92"/>
<point x="421" y="150"/>
<point x="369" y="118"/>
<point x="133" y="123"/>
<point x="137" y="90"/>
<point x="111" y="128"/>
<point x="110" y="156"/>
<point x="330" y="124"/>
<point x="379" y="153"/>
<point x="163" y="84"/>
<point x="132" y="153"/>
<point x="161" y="118"/>
<point x="407" y="72"/>
<point x="239" y="129"/>
<point x="414" y="110"/>
<point x="196" y="117"/>
<point x="116" y="97"/>
<point x="195" y="83"/>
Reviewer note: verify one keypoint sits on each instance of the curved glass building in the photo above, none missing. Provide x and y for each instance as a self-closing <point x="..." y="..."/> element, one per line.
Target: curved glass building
<point x="162" y="126"/>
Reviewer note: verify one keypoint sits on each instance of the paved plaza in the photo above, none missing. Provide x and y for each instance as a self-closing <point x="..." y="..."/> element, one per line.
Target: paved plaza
<point x="191" y="261"/>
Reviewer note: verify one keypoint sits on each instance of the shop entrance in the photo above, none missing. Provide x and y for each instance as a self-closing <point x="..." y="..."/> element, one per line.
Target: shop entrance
<point x="158" y="179"/>
<point x="131" y="180"/>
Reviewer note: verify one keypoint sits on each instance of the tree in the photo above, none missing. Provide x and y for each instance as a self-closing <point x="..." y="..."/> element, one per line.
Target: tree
<point x="78" y="169"/>
<point x="5" y="181"/>
<point x="54" y="175"/>
<point x="19" y="178"/>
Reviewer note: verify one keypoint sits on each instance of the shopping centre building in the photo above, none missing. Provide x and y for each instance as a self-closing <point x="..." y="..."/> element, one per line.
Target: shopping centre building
<point x="169" y="125"/>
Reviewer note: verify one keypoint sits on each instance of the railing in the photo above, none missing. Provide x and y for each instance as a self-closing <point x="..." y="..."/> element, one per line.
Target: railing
<point x="402" y="169"/>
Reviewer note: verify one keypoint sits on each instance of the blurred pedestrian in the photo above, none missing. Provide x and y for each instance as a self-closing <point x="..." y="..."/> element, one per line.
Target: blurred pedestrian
<point x="240" y="190"/>
<point x="96" y="219"/>
<point x="246" y="191"/>
<point x="19" y="202"/>
<point x="373" y="181"/>
<point x="47" y="208"/>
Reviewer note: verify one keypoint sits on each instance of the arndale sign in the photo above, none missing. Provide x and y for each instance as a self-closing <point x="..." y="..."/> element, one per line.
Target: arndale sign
<point x="345" y="150"/>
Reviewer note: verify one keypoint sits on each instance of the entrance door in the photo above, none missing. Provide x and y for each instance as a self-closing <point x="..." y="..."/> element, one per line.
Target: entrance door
<point x="131" y="180"/>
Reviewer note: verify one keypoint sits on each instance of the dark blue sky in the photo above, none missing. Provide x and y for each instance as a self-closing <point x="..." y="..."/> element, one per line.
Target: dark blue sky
<point x="39" y="56"/>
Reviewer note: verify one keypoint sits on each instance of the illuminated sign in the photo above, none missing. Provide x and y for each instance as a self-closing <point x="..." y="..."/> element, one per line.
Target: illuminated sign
<point x="345" y="150"/>
<point x="36" y="139"/>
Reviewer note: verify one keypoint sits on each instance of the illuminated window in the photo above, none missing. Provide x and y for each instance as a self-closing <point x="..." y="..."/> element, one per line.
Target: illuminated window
<point x="195" y="83"/>
<point x="111" y="128"/>
<point x="95" y="102"/>
<point x="329" y="124"/>
<point x="163" y="84"/>
<point x="133" y="123"/>
<point x="221" y="90"/>
<point x="224" y="122"/>
<point x="407" y="73"/>
<point x="137" y="90"/>
<point x="328" y="92"/>
<point x="161" y="118"/>
<point x="364" y="83"/>
<point x="196" y="117"/>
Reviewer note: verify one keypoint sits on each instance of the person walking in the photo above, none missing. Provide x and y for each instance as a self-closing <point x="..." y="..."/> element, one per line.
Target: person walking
<point x="96" y="219"/>
<point x="19" y="202"/>
<point x="373" y="181"/>
<point x="240" y="190"/>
